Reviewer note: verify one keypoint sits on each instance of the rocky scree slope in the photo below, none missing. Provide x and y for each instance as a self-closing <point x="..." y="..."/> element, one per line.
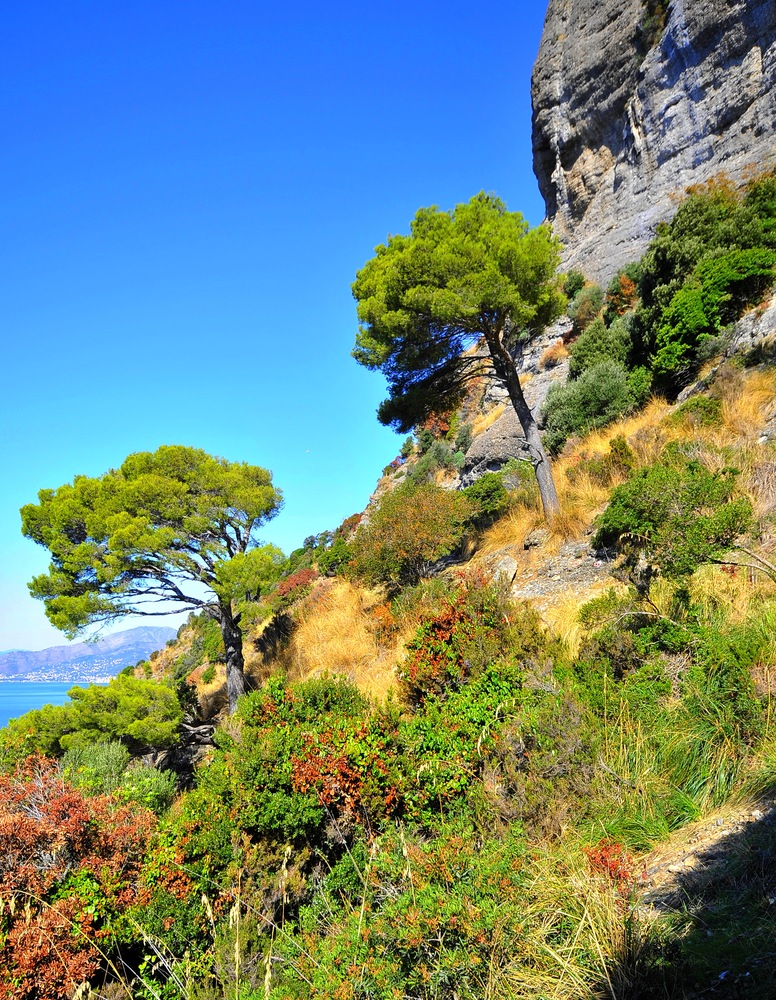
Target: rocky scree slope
<point x="619" y="132"/>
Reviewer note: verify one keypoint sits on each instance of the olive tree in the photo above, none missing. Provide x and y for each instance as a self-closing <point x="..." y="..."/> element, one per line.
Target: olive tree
<point x="168" y="530"/>
<point x="461" y="295"/>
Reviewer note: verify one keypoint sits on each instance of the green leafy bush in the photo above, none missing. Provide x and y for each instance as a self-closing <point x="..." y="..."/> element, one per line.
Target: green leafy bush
<point x="700" y="270"/>
<point x="141" y="714"/>
<point x="438" y="456"/>
<point x="97" y="769"/>
<point x="600" y="395"/>
<point x="463" y="438"/>
<point x="701" y="411"/>
<point x="413" y="526"/>
<point x="107" y="769"/>
<point x="335" y="558"/>
<point x="715" y="292"/>
<point x="470" y="631"/>
<point x="489" y="498"/>
<point x="212" y="640"/>
<point x="678" y="514"/>
<point x="600" y="343"/>
<point x="573" y="282"/>
<point x="519" y="479"/>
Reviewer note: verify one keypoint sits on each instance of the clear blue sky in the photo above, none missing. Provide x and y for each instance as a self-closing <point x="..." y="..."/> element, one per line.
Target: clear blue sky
<point x="189" y="189"/>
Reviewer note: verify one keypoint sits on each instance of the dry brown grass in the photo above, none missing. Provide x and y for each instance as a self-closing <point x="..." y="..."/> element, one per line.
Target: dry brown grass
<point x="336" y="634"/>
<point x="581" y="498"/>
<point x="510" y="530"/>
<point x="485" y="420"/>
<point x="760" y="483"/>
<point x="746" y="408"/>
<point x="562" y="616"/>
<point x="570" y="523"/>
<point x="553" y="355"/>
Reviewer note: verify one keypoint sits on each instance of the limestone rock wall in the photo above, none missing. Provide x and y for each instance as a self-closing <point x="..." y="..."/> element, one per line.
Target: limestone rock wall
<point x="620" y="132"/>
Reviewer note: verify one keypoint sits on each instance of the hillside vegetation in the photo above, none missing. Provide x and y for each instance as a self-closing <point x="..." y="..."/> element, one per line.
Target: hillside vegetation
<point x="471" y="732"/>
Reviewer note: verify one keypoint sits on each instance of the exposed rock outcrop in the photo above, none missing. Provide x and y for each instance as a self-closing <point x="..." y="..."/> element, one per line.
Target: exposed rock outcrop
<point x="619" y="132"/>
<point x="504" y="439"/>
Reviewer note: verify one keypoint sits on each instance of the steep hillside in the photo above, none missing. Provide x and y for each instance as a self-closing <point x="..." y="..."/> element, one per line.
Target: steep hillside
<point x="635" y="100"/>
<point x="489" y="749"/>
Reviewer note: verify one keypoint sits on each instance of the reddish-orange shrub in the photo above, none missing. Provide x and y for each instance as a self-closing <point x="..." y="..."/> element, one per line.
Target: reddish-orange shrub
<point x="621" y="296"/>
<point x="614" y="863"/>
<point x="383" y="621"/>
<point x="68" y="868"/>
<point x="438" y="424"/>
<point x="302" y="578"/>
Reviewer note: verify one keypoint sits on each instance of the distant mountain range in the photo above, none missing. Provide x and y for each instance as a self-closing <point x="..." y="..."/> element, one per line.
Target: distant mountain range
<point x="84" y="661"/>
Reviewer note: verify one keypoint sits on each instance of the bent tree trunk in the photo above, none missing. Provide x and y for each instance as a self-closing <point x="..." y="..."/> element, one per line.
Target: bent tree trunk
<point x="233" y="643"/>
<point x="505" y="371"/>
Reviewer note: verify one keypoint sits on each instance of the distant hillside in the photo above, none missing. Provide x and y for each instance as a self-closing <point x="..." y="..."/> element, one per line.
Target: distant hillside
<point x="84" y="661"/>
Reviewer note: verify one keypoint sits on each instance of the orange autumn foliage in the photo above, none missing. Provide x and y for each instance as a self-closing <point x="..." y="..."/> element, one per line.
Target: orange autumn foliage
<point x="68" y="864"/>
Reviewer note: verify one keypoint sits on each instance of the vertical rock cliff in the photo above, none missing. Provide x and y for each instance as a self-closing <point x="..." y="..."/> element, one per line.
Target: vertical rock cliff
<point x="629" y="111"/>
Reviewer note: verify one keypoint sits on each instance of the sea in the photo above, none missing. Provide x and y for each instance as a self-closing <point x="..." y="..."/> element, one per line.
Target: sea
<point x="18" y="697"/>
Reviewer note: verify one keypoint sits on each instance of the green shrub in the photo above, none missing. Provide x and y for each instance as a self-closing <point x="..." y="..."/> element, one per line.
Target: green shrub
<point x="699" y="271"/>
<point x="141" y="714"/>
<point x="488" y="497"/>
<point x="573" y="282"/>
<point x="586" y="306"/>
<point x="413" y="526"/>
<point x="212" y="641"/>
<point x="148" y="786"/>
<point x="432" y="922"/>
<point x="600" y="395"/>
<point x="519" y="479"/>
<point x="678" y="514"/>
<point x="422" y="600"/>
<point x="335" y="558"/>
<point x="97" y="769"/>
<point x="715" y="293"/>
<point x="425" y="438"/>
<point x="701" y="411"/>
<point x="106" y="769"/>
<point x="600" y="343"/>
<point x="463" y="438"/>
<point x="470" y="631"/>
<point x="438" y="456"/>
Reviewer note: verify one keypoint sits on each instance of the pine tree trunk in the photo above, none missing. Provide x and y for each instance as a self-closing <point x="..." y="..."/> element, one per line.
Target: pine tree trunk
<point x="507" y="374"/>
<point x="233" y="640"/>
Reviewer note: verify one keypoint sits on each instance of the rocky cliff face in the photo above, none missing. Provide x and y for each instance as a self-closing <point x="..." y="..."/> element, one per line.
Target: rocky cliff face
<point x="621" y="129"/>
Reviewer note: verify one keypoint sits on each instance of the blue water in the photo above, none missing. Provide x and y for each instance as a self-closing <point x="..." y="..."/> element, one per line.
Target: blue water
<point x="18" y="697"/>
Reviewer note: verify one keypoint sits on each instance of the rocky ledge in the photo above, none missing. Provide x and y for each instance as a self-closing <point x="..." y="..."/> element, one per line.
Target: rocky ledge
<point x="628" y="112"/>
